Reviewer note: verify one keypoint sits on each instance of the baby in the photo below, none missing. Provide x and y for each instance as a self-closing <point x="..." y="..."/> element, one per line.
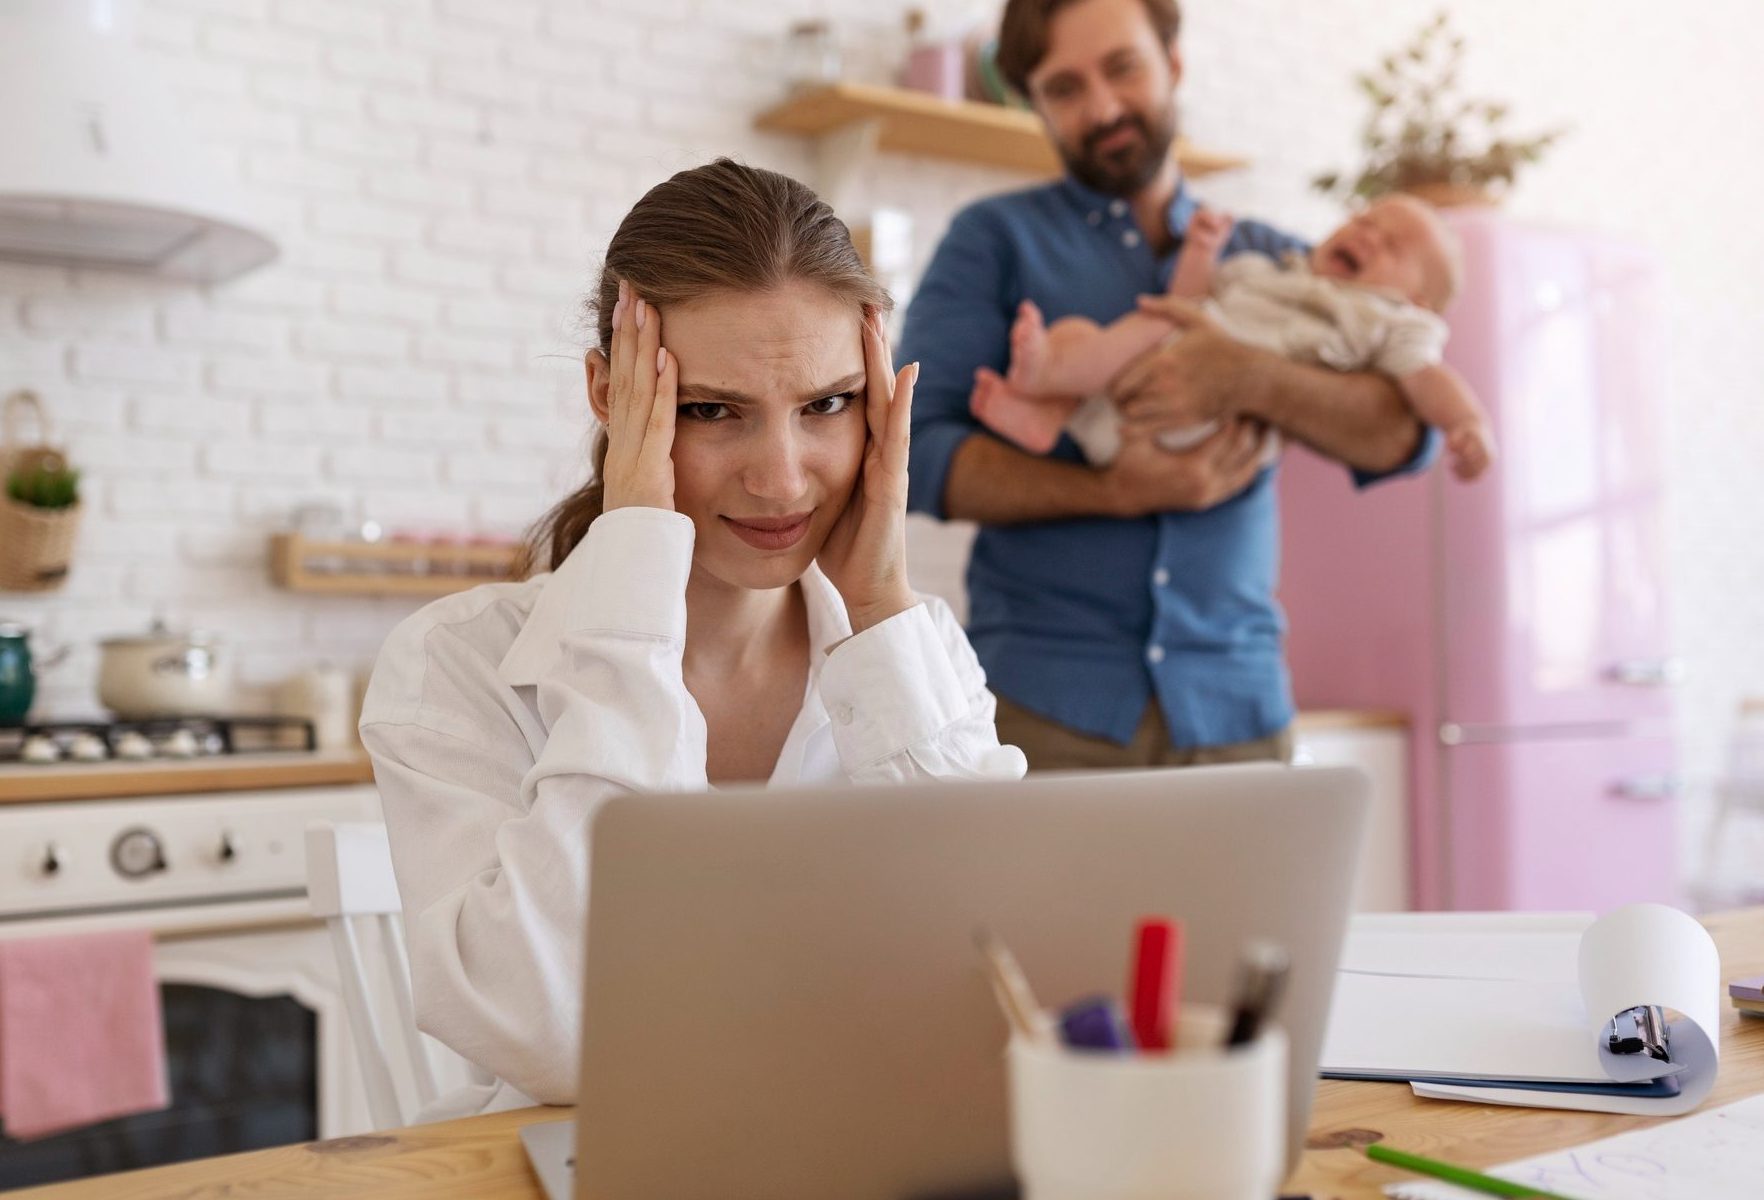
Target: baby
<point x="1367" y="299"/>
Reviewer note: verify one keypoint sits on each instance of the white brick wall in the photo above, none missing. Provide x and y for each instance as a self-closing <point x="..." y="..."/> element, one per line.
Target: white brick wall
<point x="443" y="174"/>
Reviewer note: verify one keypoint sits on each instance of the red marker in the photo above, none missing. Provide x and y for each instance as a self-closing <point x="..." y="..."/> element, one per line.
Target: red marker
<point x="1156" y="986"/>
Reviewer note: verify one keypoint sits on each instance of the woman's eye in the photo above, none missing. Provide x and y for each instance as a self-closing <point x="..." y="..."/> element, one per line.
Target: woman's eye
<point x="827" y="406"/>
<point x="704" y="411"/>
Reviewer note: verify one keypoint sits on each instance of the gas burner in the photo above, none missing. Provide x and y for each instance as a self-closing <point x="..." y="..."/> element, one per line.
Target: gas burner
<point x="159" y="738"/>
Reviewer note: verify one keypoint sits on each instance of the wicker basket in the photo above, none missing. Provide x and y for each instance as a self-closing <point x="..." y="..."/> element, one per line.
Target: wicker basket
<point x="36" y="544"/>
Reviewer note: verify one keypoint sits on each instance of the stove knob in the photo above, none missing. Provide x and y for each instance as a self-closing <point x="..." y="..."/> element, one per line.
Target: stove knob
<point x="136" y="854"/>
<point x="51" y="864"/>
<point x="227" y="851"/>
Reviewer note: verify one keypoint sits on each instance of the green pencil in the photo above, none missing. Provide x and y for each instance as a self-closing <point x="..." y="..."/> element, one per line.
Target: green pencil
<point x="1462" y="1176"/>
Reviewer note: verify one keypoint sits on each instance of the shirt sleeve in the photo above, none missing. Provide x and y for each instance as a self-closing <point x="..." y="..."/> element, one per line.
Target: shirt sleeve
<point x="1413" y="339"/>
<point x="908" y="701"/>
<point x="488" y="843"/>
<point x="959" y="320"/>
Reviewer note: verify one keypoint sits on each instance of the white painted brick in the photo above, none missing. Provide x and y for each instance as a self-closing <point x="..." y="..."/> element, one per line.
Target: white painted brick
<point x="302" y="173"/>
<point x="180" y="581"/>
<point x="226" y="545"/>
<point x="544" y="60"/>
<point x="330" y="259"/>
<point x="696" y="42"/>
<point x="391" y="303"/>
<point x="341" y="341"/>
<point x="431" y="270"/>
<point x="206" y="81"/>
<point x="472" y="81"/>
<point x="169" y="497"/>
<point x="552" y="283"/>
<point x="92" y="581"/>
<point x="425" y="113"/>
<point x="533" y="433"/>
<point x="472" y="158"/>
<point x="568" y="133"/>
<point x="494" y="315"/>
<point x="430" y="428"/>
<point x="377" y="65"/>
<point x="161" y="30"/>
<point x="325" y="424"/>
<point x="332" y="20"/>
<point x="356" y="141"/>
<point x="251" y="460"/>
<point x="464" y="350"/>
<point x="366" y="625"/>
<point x="268" y="377"/>
<point x="371" y="222"/>
<point x="259" y="45"/>
<point x="274" y="504"/>
<point x="502" y="513"/>
<point x="189" y="414"/>
<point x="519" y="202"/>
<point x="482" y="237"/>
<point x="435" y="42"/>
<point x="89" y="409"/>
<point x="253" y="11"/>
<point x="488" y="468"/>
<point x="276" y="290"/>
<point x="406" y="386"/>
<point x="106" y="538"/>
<point x="187" y="325"/>
<point x="135" y="365"/>
<point x="425" y="190"/>
<point x="697" y="119"/>
<point x="307" y="93"/>
<point x="79" y="317"/>
<point x="594" y="102"/>
<point x="514" y="16"/>
<point x="117" y="452"/>
<point x="427" y="508"/>
<point x="380" y="465"/>
<point x="494" y="393"/>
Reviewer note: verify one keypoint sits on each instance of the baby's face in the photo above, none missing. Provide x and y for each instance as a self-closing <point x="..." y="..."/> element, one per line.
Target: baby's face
<point x="1394" y="244"/>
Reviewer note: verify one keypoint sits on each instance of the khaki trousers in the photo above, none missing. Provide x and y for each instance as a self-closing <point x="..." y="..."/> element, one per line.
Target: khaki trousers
<point x="1050" y="746"/>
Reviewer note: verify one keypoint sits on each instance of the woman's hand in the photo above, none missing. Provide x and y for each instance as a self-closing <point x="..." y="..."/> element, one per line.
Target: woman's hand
<point x="865" y="553"/>
<point x="641" y="397"/>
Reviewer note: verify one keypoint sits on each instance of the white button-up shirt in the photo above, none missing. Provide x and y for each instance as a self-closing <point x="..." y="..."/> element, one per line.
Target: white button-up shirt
<point x="499" y="719"/>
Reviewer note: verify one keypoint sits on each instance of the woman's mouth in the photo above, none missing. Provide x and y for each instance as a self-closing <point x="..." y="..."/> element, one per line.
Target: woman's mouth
<point x="770" y="533"/>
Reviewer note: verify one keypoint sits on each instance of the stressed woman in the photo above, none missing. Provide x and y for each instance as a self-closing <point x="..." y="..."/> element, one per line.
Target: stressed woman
<point x="727" y="602"/>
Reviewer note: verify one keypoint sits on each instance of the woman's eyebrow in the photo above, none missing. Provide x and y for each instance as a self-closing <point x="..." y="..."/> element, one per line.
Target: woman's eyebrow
<point x="703" y="393"/>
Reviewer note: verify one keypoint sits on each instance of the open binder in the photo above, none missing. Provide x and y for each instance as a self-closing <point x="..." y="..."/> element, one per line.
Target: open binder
<point x="1519" y="1008"/>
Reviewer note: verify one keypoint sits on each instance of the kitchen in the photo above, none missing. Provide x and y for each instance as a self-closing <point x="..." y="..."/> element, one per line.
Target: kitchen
<point x="370" y="386"/>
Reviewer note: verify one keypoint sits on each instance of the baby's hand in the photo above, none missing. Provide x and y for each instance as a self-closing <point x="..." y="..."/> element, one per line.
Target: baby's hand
<point x="1471" y="448"/>
<point x="1209" y="228"/>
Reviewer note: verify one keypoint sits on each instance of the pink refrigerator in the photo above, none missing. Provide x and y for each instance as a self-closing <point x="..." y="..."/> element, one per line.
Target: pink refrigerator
<point x="1519" y="620"/>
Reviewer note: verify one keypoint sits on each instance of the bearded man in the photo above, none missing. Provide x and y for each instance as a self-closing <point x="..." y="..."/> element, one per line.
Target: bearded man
<point x="1125" y="615"/>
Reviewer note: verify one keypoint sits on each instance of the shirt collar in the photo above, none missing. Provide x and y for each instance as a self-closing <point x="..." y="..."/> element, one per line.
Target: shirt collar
<point x="1088" y="200"/>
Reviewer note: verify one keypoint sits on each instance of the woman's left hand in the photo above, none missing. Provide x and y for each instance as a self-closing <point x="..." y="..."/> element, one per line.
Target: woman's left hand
<point x="865" y="553"/>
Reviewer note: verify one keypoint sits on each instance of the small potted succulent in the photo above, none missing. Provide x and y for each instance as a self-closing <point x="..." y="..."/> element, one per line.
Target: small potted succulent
<point x="1423" y="138"/>
<point x="40" y="511"/>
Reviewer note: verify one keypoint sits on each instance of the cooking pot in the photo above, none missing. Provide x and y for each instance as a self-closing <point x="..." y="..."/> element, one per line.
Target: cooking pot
<point x="164" y="674"/>
<point x="18" y="673"/>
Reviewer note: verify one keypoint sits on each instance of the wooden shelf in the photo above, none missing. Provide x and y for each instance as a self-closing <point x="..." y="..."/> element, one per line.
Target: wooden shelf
<point x="112" y="780"/>
<point x="910" y="122"/>
<point x="300" y="564"/>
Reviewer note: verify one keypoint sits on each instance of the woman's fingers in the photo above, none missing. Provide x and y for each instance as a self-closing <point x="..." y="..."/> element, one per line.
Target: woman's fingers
<point x="878" y="376"/>
<point x="898" y="436"/>
<point x="658" y="442"/>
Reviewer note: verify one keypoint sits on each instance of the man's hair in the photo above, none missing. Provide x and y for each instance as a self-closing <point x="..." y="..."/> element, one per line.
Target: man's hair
<point x="1022" y="33"/>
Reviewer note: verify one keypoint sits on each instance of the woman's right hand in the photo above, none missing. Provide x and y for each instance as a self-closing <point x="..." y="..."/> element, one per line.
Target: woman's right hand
<point x="642" y="390"/>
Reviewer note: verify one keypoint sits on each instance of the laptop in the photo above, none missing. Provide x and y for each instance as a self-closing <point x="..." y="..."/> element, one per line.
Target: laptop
<point x="783" y="997"/>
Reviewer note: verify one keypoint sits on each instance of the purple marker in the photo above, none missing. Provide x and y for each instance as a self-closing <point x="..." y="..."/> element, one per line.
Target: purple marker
<point x="1096" y="1024"/>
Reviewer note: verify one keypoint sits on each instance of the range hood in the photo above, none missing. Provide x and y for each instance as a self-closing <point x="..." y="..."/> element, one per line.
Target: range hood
<point x="98" y="165"/>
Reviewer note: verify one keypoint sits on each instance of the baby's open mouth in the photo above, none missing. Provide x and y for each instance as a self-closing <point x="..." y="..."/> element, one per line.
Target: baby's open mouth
<point x="1347" y="260"/>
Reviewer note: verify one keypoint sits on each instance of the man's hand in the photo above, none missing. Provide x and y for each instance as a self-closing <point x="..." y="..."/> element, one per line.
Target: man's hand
<point x="1197" y="375"/>
<point x="1145" y="478"/>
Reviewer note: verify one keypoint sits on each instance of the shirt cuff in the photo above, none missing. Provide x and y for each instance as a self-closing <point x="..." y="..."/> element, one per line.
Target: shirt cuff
<point x="933" y="446"/>
<point x="890" y="687"/>
<point x="1423" y="458"/>
<point x="629" y="574"/>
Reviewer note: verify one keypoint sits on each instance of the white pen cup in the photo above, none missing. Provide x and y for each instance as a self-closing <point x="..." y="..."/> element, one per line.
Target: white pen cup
<point x="1202" y="1123"/>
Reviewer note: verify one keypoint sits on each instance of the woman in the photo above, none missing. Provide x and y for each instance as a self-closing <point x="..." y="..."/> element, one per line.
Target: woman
<point x="728" y="602"/>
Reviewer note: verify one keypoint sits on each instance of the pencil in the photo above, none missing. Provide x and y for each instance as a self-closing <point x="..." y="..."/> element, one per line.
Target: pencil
<point x="1011" y="989"/>
<point x="1461" y="1176"/>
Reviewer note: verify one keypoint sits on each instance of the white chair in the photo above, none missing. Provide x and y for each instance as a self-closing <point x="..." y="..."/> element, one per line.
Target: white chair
<point x="350" y="885"/>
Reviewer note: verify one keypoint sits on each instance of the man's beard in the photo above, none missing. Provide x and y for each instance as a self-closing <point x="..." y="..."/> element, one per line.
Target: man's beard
<point x="1124" y="172"/>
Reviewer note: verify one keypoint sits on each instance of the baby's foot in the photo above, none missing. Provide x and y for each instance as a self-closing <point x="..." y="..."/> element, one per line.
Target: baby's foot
<point x="1031" y="422"/>
<point x="1028" y="349"/>
<point x="1471" y="449"/>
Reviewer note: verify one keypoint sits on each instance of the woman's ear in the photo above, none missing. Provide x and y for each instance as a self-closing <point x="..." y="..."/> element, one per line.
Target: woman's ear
<point x="599" y="379"/>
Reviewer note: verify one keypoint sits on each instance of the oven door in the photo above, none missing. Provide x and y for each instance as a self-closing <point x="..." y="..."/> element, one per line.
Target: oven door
<point x="257" y="1051"/>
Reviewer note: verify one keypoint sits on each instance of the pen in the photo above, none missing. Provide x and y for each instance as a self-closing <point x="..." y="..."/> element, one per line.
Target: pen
<point x="1156" y="987"/>
<point x="1011" y="989"/>
<point x="1262" y="977"/>
<point x="1462" y="1176"/>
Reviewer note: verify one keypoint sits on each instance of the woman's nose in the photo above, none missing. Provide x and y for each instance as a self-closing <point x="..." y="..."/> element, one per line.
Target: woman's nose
<point x="775" y="469"/>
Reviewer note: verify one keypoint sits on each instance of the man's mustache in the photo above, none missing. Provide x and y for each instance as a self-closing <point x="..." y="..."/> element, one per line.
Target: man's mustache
<point x="1097" y="136"/>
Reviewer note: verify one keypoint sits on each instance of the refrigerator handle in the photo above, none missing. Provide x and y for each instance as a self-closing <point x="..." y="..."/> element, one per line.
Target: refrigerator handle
<point x="1646" y="672"/>
<point x="1664" y="786"/>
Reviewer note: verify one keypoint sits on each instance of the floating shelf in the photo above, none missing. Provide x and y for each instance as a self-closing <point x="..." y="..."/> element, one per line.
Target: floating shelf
<point x="909" y="122"/>
<point x="301" y="564"/>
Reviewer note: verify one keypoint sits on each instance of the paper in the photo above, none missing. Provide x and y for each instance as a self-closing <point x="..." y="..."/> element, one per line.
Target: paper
<point x="1713" y="1154"/>
<point x="1524" y="998"/>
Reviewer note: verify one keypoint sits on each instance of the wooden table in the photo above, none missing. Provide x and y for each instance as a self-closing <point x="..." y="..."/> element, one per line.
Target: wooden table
<point x="480" y="1158"/>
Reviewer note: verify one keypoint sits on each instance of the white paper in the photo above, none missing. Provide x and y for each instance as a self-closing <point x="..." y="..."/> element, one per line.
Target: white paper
<point x="1524" y="998"/>
<point x="1714" y="1154"/>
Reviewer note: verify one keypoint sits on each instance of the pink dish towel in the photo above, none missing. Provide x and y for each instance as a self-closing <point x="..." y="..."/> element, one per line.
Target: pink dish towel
<point x="81" y="1038"/>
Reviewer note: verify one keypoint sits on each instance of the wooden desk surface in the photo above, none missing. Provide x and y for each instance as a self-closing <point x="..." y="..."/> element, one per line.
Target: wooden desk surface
<point x="480" y="1158"/>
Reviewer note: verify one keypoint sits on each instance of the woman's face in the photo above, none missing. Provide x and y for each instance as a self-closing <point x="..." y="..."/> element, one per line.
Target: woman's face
<point x="770" y="430"/>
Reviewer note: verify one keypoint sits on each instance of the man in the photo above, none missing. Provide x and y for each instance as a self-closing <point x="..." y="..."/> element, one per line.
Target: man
<point x="1125" y="615"/>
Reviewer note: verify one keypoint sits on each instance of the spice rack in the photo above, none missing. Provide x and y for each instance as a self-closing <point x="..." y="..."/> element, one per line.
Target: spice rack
<point x="302" y="564"/>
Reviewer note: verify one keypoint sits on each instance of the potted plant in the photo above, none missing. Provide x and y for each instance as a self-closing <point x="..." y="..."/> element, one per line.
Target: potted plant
<point x="40" y="511"/>
<point x="1423" y="138"/>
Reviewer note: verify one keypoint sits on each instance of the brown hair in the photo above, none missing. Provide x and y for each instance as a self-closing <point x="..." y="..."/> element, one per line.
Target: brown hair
<point x="1022" y="33"/>
<point x="722" y="227"/>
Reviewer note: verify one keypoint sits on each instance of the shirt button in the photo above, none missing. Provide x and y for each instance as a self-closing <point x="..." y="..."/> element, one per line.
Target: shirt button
<point x="1155" y="654"/>
<point x="842" y="714"/>
<point x="1130" y="238"/>
<point x="1117" y="208"/>
<point x="1094" y="218"/>
<point x="1161" y="577"/>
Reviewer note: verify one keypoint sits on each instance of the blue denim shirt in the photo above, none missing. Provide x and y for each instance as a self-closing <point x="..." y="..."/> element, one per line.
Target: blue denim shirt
<point x="1084" y="620"/>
